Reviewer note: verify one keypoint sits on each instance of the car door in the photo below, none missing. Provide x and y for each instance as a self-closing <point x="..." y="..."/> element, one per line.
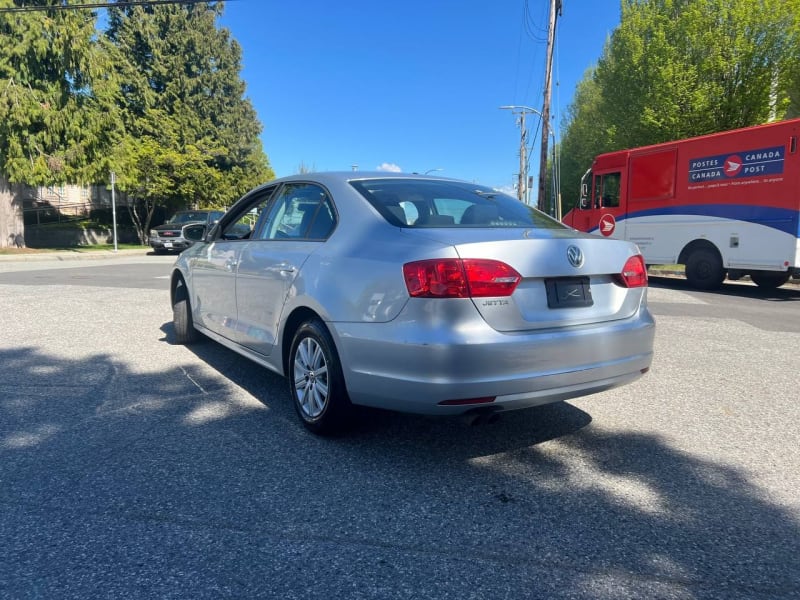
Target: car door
<point x="301" y="218"/>
<point x="214" y="271"/>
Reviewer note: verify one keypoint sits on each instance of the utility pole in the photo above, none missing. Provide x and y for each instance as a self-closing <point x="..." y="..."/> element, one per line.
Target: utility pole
<point x="555" y="10"/>
<point x="522" y="180"/>
<point x="114" y="207"/>
<point x="522" y="177"/>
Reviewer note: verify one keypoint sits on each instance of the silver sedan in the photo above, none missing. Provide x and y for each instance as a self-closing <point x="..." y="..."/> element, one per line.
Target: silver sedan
<point x="416" y="294"/>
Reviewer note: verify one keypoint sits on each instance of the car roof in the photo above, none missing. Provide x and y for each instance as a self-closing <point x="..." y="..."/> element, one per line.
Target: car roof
<point x="337" y="178"/>
<point x="357" y="175"/>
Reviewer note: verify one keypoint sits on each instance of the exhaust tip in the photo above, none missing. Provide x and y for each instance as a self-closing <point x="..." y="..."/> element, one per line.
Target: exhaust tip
<point x="480" y="417"/>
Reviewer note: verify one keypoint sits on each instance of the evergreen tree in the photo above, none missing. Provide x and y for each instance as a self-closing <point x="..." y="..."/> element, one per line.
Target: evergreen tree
<point x="193" y="137"/>
<point x="57" y="104"/>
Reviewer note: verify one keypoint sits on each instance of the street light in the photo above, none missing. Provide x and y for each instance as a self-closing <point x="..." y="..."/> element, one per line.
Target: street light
<point x="432" y="170"/>
<point x="522" y="181"/>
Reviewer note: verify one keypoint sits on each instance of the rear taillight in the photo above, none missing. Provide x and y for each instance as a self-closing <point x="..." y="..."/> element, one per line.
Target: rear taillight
<point x="634" y="273"/>
<point x="460" y="278"/>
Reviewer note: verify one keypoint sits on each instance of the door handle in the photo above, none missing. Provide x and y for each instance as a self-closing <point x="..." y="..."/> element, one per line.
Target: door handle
<point x="282" y="268"/>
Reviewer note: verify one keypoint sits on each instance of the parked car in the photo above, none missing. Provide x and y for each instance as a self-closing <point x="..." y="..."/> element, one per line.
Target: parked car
<point x="414" y="293"/>
<point x="169" y="236"/>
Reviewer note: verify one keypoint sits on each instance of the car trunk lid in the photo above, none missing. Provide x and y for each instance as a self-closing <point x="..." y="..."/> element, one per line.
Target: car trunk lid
<point x="568" y="278"/>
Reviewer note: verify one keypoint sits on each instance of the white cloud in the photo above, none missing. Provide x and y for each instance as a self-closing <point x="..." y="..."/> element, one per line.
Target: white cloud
<point x="389" y="167"/>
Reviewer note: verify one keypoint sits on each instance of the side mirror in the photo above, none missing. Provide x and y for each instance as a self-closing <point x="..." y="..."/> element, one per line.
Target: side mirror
<point x="584" y="203"/>
<point x="195" y="232"/>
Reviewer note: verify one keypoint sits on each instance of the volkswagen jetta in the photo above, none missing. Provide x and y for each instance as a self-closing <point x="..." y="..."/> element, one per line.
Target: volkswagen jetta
<point x="414" y="293"/>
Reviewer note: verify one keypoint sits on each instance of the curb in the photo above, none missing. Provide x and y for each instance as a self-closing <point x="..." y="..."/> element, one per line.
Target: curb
<point x="679" y="273"/>
<point x="69" y="255"/>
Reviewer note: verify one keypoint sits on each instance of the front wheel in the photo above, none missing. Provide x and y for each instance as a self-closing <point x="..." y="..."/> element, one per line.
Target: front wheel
<point x="769" y="279"/>
<point x="704" y="270"/>
<point x="182" y="321"/>
<point x="316" y="382"/>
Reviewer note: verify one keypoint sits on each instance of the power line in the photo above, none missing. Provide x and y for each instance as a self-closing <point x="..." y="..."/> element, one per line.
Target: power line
<point x="122" y="4"/>
<point x="536" y="32"/>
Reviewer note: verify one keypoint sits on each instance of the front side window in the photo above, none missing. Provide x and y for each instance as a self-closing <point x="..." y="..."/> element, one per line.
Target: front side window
<point x="240" y="226"/>
<point x="423" y="203"/>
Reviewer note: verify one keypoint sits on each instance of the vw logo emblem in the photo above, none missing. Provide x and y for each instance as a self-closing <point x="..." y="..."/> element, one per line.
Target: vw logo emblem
<point x="575" y="256"/>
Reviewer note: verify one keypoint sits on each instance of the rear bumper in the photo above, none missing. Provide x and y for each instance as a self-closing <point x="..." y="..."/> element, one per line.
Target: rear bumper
<point x="387" y="368"/>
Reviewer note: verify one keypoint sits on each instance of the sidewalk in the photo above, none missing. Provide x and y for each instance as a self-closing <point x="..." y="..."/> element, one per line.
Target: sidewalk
<point x="65" y="255"/>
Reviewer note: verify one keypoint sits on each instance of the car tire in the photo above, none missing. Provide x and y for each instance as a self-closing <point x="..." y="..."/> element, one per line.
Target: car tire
<point x="316" y="382"/>
<point x="182" y="321"/>
<point x="704" y="270"/>
<point x="769" y="280"/>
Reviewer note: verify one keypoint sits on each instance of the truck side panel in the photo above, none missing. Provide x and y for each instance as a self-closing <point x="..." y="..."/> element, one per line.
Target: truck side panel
<point x="736" y="194"/>
<point x="737" y="190"/>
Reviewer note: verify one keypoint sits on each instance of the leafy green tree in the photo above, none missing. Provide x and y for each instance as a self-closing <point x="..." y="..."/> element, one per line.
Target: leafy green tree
<point x="193" y="137"/>
<point x="587" y="132"/>
<point x="58" y="112"/>
<point x="793" y="72"/>
<point x="678" y="68"/>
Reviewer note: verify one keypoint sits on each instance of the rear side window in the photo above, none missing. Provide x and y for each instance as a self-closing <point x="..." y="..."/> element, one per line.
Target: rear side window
<point x="301" y="211"/>
<point x="419" y="203"/>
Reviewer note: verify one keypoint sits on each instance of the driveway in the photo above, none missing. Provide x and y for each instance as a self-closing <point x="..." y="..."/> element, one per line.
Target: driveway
<point x="133" y="467"/>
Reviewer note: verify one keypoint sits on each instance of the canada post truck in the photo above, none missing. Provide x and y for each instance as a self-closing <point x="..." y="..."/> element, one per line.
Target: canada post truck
<point x="725" y="204"/>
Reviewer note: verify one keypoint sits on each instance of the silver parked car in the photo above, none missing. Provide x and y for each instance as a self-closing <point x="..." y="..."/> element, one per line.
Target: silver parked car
<point x="416" y="294"/>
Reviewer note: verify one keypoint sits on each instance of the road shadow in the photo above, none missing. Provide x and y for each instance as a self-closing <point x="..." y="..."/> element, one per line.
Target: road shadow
<point x="521" y="428"/>
<point x="179" y="483"/>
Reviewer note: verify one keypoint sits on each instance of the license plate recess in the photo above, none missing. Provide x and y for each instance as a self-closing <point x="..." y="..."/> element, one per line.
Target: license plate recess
<point x="568" y="292"/>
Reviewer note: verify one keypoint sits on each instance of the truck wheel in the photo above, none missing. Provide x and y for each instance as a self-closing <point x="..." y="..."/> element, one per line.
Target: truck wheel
<point x="769" y="279"/>
<point x="704" y="270"/>
<point x="316" y="381"/>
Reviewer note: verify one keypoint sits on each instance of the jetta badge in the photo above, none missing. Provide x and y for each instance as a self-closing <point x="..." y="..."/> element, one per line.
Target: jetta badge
<point x="575" y="256"/>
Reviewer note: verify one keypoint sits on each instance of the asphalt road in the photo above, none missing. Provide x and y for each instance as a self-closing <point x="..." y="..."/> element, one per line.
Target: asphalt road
<point x="131" y="467"/>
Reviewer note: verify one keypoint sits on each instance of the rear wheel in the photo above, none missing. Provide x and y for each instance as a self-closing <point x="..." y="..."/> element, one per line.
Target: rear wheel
<point x="182" y="321"/>
<point x="769" y="279"/>
<point x="316" y="382"/>
<point x="704" y="269"/>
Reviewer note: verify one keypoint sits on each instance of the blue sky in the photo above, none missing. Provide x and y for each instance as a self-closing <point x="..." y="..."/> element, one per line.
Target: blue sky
<point x="410" y="85"/>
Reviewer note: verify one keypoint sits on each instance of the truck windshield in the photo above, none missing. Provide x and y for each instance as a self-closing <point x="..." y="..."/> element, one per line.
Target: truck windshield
<point x="188" y="217"/>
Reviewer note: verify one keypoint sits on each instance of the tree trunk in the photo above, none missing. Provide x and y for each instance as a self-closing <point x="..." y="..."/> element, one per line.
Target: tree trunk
<point x="142" y="222"/>
<point x="12" y="224"/>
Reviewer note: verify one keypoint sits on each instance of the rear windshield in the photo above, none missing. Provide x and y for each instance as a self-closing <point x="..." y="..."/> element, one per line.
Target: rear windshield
<point x="420" y="203"/>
